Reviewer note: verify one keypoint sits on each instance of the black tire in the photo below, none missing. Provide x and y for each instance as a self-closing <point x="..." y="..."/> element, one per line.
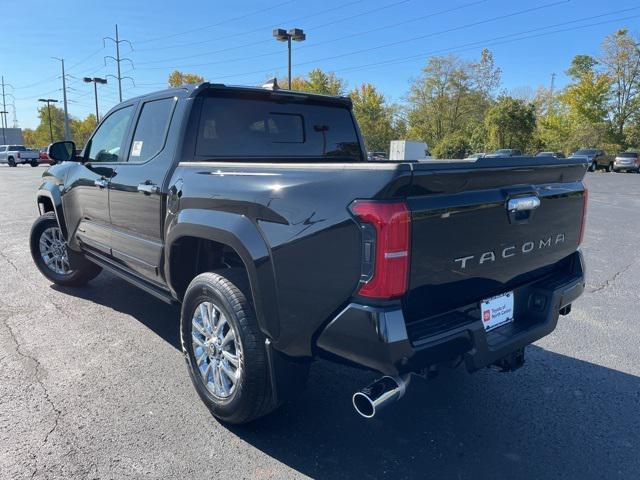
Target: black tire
<point x="252" y="394"/>
<point x="83" y="271"/>
<point x="610" y="168"/>
<point x="11" y="162"/>
<point x="592" y="167"/>
<point x="34" y="163"/>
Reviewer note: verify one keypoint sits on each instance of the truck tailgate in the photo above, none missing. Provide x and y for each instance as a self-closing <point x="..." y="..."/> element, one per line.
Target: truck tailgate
<point x="466" y="242"/>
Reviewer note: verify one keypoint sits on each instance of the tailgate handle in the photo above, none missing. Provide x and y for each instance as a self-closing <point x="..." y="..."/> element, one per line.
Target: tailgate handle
<point x="520" y="209"/>
<point x="522" y="204"/>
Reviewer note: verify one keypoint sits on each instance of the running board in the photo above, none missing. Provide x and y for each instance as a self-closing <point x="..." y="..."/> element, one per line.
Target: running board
<point x="105" y="263"/>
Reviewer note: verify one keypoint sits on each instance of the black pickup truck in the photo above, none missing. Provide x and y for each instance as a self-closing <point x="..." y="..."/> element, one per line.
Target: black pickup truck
<point x="256" y="210"/>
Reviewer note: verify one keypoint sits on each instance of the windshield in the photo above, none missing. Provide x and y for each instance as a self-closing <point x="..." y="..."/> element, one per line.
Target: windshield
<point x="585" y="152"/>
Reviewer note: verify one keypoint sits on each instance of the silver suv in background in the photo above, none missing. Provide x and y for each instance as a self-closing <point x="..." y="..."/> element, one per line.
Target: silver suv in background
<point x="627" y="162"/>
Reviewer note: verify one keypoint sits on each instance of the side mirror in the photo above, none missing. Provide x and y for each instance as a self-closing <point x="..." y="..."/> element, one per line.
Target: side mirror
<point x="62" y="151"/>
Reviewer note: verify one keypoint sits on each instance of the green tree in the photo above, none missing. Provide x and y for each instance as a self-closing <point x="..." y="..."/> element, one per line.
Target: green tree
<point x="453" y="145"/>
<point x="177" y="78"/>
<point x="375" y="117"/>
<point x="510" y="123"/>
<point x="581" y="65"/>
<point x="451" y="95"/>
<point x="317" y="81"/>
<point x="621" y="60"/>
<point x="40" y="136"/>
<point x="81" y="130"/>
<point x="588" y="97"/>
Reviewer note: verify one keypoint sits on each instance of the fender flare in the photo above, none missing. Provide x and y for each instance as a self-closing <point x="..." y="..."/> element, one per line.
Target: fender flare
<point x="52" y="192"/>
<point x="241" y="234"/>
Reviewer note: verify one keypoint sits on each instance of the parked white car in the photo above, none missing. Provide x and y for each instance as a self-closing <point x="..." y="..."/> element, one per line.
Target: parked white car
<point x="18" y="154"/>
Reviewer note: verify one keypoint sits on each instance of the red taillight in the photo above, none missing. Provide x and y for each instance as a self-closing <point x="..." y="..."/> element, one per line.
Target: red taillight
<point x="391" y="221"/>
<point x="585" y="200"/>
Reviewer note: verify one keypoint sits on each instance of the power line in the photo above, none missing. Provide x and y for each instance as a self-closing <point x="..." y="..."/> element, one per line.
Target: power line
<point x="91" y="55"/>
<point x="503" y="39"/>
<point x="198" y="29"/>
<point x="496" y="40"/>
<point x="271" y="25"/>
<point x="397" y="42"/>
<point x="341" y="38"/>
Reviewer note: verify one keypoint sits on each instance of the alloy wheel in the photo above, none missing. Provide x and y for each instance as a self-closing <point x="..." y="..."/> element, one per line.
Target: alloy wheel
<point x="53" y="251"/>
<point x="216" y="349"/>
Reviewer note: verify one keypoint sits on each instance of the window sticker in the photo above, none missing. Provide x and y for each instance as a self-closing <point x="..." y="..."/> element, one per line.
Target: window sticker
<point x="136" y="150"/>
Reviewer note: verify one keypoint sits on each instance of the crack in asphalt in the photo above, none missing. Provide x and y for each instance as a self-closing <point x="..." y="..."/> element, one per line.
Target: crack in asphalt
<point x="9" y="261"/>
<point x="608" y="282"/>
<point x="39" y="381"/>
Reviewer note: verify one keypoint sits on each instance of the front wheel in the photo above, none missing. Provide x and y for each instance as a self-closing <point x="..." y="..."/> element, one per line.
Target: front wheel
<point x="592" y="167"/>
<point x="51" y="256"/>
<point x="224" y="347"/>
<point x="11" y="162"/>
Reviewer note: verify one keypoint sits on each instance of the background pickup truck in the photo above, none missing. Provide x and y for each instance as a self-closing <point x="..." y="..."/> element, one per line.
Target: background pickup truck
<point x="257" y="211"/>
<point x="18" y="154"/>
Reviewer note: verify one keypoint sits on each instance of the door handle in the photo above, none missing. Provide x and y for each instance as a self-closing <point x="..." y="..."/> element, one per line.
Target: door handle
<point x="102" y="183"/>
<point x="148" y="188"/>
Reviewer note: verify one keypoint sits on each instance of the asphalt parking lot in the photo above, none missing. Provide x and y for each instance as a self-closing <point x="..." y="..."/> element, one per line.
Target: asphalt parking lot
<point x="93" y="385"/>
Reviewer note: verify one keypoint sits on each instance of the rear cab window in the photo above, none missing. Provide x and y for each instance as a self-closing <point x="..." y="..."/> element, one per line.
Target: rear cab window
<point x="275" y="129"/>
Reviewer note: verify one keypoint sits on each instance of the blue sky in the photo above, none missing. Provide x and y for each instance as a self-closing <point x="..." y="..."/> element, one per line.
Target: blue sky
<point x="384" y="42"/>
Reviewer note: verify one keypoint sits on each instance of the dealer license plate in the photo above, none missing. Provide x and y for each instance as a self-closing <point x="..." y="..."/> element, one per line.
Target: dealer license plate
<point x="497" y="311"/>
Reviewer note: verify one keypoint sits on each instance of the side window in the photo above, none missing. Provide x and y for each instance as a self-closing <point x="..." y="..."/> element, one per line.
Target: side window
<point x="106" y="143"/>
<point x="151" y="130"/>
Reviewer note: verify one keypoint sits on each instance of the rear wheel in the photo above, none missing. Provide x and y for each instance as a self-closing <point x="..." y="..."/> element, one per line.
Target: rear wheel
<point x="34" y="163"/>
<point x="592" y="167"/>
<point x="11" y="162"/>
<point x="610" y="168"/>
<point x="51" y="255"/>
<point x="224" y="347"/>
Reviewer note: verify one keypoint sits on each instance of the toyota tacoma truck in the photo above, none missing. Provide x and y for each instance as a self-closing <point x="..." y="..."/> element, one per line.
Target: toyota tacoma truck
<point x="257" y="211"/>
<point x="14" y="155"/>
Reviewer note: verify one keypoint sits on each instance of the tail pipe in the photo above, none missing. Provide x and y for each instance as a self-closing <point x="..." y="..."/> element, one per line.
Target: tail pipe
<point x="384" y="391"/>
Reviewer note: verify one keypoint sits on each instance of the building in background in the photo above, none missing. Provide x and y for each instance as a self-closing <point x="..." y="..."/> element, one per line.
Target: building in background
<point x="11" y="136"/>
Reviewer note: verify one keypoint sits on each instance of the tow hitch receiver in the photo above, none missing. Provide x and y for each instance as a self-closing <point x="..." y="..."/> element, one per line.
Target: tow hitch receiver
<point x="511" y="362"/>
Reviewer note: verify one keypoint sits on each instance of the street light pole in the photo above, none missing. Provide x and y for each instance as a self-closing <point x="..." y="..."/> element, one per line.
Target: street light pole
<point x="95" y="81"/>
<point x="282" y="35"/>
<point x="289" y="61"/>
<point x="49" y="101"/>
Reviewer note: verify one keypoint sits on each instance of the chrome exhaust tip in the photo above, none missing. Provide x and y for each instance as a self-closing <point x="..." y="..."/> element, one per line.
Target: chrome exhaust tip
<point x="373" y="398"/>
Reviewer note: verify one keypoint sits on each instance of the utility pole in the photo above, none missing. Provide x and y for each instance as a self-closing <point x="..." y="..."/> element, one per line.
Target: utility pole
<point x="49" y="101"/>
<point x="3" y="113"/>
<point x="551" y="87"/>
<point x="117" y="41"/>
<point x="67" y="132"/>
<point x="4" y="110"/>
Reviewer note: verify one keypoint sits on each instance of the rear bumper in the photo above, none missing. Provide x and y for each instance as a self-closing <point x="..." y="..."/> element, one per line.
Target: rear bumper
<point x="628" y="168"/>
<point x="379" y="339"/>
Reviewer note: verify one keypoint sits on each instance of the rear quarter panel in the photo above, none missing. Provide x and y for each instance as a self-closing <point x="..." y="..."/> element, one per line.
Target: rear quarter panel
<point x="312" y="244"/>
